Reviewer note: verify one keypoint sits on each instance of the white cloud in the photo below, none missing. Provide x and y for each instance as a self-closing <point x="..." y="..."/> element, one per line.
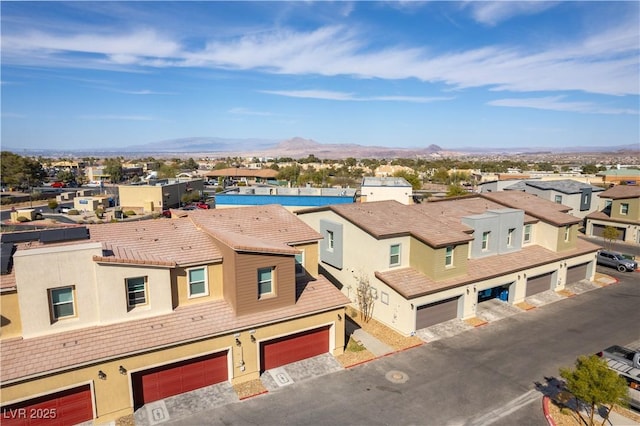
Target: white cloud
<point x="556" y="103"/>
<point x="606" y="62"/>
<point x="493" y="12"/>
<point x="342" y="96"/>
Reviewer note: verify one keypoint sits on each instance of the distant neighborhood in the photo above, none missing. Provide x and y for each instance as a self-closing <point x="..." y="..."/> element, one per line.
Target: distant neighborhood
<point x="126" y="281"/>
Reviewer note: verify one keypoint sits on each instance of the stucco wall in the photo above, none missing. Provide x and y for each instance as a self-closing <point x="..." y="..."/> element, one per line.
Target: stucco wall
<point x="11" y="324"/>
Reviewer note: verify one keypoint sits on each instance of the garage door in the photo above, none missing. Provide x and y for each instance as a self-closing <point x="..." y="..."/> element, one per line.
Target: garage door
<point x="598" y="231"/>
<point x="538" y="284"/>
<point x="577" y="273"/>
<point x="174" y="379"/>
<point x="435" y="313"/>
<point x="68" y="407"/>
<point x="288" y="349"/>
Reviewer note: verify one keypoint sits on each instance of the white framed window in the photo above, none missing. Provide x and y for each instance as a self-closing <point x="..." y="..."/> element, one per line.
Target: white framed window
<point x="136" y="291"/>
<point x="265" y="282"/>
<point x="567" y="233"/>
<point x="527" y="234"/>
<point x="197" y="285"/>
<point x="558" y="199"/>
<point x="62" y="303"/>
<point x="300" y="264"/>
<point x="485" y="240"/>
<point x="384" y="297"/>
<point x="448" y="256"/>
<point x="330" y="240"/>
<point x="624" y="209"/>
<point x="394" y="255"/>
<point x="510" y="233"/>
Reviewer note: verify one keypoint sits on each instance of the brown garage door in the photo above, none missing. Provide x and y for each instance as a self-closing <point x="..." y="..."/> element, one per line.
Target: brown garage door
<point x="435" y="313"/>
<point x="577" y="273"/>
<point x="68" y="407"/>
<point x="598" y="231"/>
<point x="174" y="379"/>
<point x="288" y="349"/>
<point x="538" y="284"/>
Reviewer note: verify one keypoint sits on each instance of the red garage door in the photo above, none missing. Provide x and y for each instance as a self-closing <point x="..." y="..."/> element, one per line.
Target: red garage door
<point x="288" y="349"/>
<point x="68" y="407"/>
<point x="174" y="379"/>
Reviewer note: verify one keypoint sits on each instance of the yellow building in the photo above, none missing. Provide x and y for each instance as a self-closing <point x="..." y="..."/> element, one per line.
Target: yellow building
<point x="100" y="320"/>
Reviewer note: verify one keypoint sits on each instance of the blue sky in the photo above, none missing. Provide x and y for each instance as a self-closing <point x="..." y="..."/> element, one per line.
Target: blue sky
<point x="81" y="75"/>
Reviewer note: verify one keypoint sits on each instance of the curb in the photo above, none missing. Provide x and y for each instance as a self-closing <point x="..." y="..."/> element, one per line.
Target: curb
<point x="545" y="410"/>
<point x="252" y="396"/>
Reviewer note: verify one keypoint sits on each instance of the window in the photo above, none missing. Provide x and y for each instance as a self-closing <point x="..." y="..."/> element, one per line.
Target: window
<point x="330" y="240"/>
<point x="448" y="256"/>
<point x="394" y="255"/>
<point x="527" y="233"/>
<point x="384" y="297"/>
<point x="136" y="291"/>
<point x="485" y="240"/>
<point x="624" y="209"/>
<point x="62" y="303"/>
<point x="265" y="282"/>
<point x="198" y="282"/>
<point x="567" y="233"/>
<point x="300" y="264"/>
<point x="558" y="199"/>
<point x="510" y="237"/>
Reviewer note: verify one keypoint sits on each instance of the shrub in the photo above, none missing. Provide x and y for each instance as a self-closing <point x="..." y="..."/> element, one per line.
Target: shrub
<point x="73" y="212"/>
<point x="22" y="219"/>
<point x="129" y="213"/>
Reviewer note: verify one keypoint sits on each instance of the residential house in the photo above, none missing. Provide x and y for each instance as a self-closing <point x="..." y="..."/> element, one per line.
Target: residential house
<point x="100" y="320"/>
<point x="577" y="195"/>
<point x="435" y="261"/>
<point x="386" y="188"/>
<point x="158" y="195"/>
<point x="620" y="208"/>
<point x="620" y="175"/>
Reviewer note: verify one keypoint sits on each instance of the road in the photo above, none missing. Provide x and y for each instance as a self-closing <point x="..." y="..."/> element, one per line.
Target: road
<point x="488" y="375"/>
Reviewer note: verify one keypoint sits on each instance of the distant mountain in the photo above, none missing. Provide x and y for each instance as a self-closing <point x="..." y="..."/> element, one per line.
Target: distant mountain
<point x="298" y="147"/>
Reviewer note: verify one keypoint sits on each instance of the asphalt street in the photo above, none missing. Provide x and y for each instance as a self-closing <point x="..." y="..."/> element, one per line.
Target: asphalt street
<point x="488" y="375"/>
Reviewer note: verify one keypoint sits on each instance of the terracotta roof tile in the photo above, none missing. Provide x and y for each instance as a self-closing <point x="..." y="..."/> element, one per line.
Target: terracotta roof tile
<point x="535" y="206"/>
<point x="411" y="284"/>
<point x="21" y="358"/>
<point x="621" y="192"/>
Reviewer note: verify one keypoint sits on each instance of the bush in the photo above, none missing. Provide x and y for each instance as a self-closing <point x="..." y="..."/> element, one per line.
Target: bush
<point x="73" y="212"/>
<point x="129" y="213"/>
<point x="22" y="219"/>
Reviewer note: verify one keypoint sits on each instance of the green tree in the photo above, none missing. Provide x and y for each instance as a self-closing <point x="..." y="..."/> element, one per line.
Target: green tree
<point x="609" y="234"/>
<point x="440" y="176"/>
<point x="411" y="177"/>
<point x="589" y="169"/>
<point x="113" y="167"/>
<point x="456" y="190"/>
<point x="19" y="171"/>
<point x="594" y="383"/>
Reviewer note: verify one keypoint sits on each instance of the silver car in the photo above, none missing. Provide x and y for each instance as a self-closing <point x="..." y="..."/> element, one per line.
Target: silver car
<point x="616" y="260"/>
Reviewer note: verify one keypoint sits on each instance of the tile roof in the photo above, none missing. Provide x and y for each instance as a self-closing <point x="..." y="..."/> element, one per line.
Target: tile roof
<point x="385" y="219"/>
<point x="621" y="192"/>
<point x="411" y="284"/>
<point x="542" y="209"/>
<point x="600" y="215"/>
<point x="22" y="358"/>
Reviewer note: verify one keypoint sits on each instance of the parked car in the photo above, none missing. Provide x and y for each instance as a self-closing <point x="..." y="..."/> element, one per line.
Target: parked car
<point x="202" y="206"/>
<point x="616" y="260"/>
<point x="58" y="185"/>
<point x="166" y="213"/>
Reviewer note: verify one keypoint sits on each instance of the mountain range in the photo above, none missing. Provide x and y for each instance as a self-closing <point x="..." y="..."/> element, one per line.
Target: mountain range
<point x="299" y="147"/>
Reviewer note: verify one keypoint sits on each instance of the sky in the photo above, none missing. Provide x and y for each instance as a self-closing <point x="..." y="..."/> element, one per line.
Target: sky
<point x="97" y="74"/>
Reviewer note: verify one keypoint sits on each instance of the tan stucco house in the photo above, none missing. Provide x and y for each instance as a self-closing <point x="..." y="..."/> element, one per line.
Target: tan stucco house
<point x="620" y="208"/>
<point x="431" y="262"/>
<point x="102" y="319"/>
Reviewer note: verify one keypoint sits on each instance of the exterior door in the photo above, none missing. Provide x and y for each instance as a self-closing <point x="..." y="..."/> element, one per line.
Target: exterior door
<point x="173" y="379"/>
<point x="538" y="284"/>
<point x="577" y="273"/>
<point x="67" y="407"/>
<point x="435" y="313"/>
<point x="299" y="346"/>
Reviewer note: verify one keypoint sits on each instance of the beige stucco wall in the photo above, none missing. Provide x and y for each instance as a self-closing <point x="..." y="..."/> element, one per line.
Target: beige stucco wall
<point x="310" y="258"/>
<point x="214" y="281"/>
<point x="40" y="269"/>
<point x="634" y="209"/>
<point x="113" y="397"/>
<point x="562" y="244"/>
<point x="11" y="324"/>
<point x="400" y="194"/>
